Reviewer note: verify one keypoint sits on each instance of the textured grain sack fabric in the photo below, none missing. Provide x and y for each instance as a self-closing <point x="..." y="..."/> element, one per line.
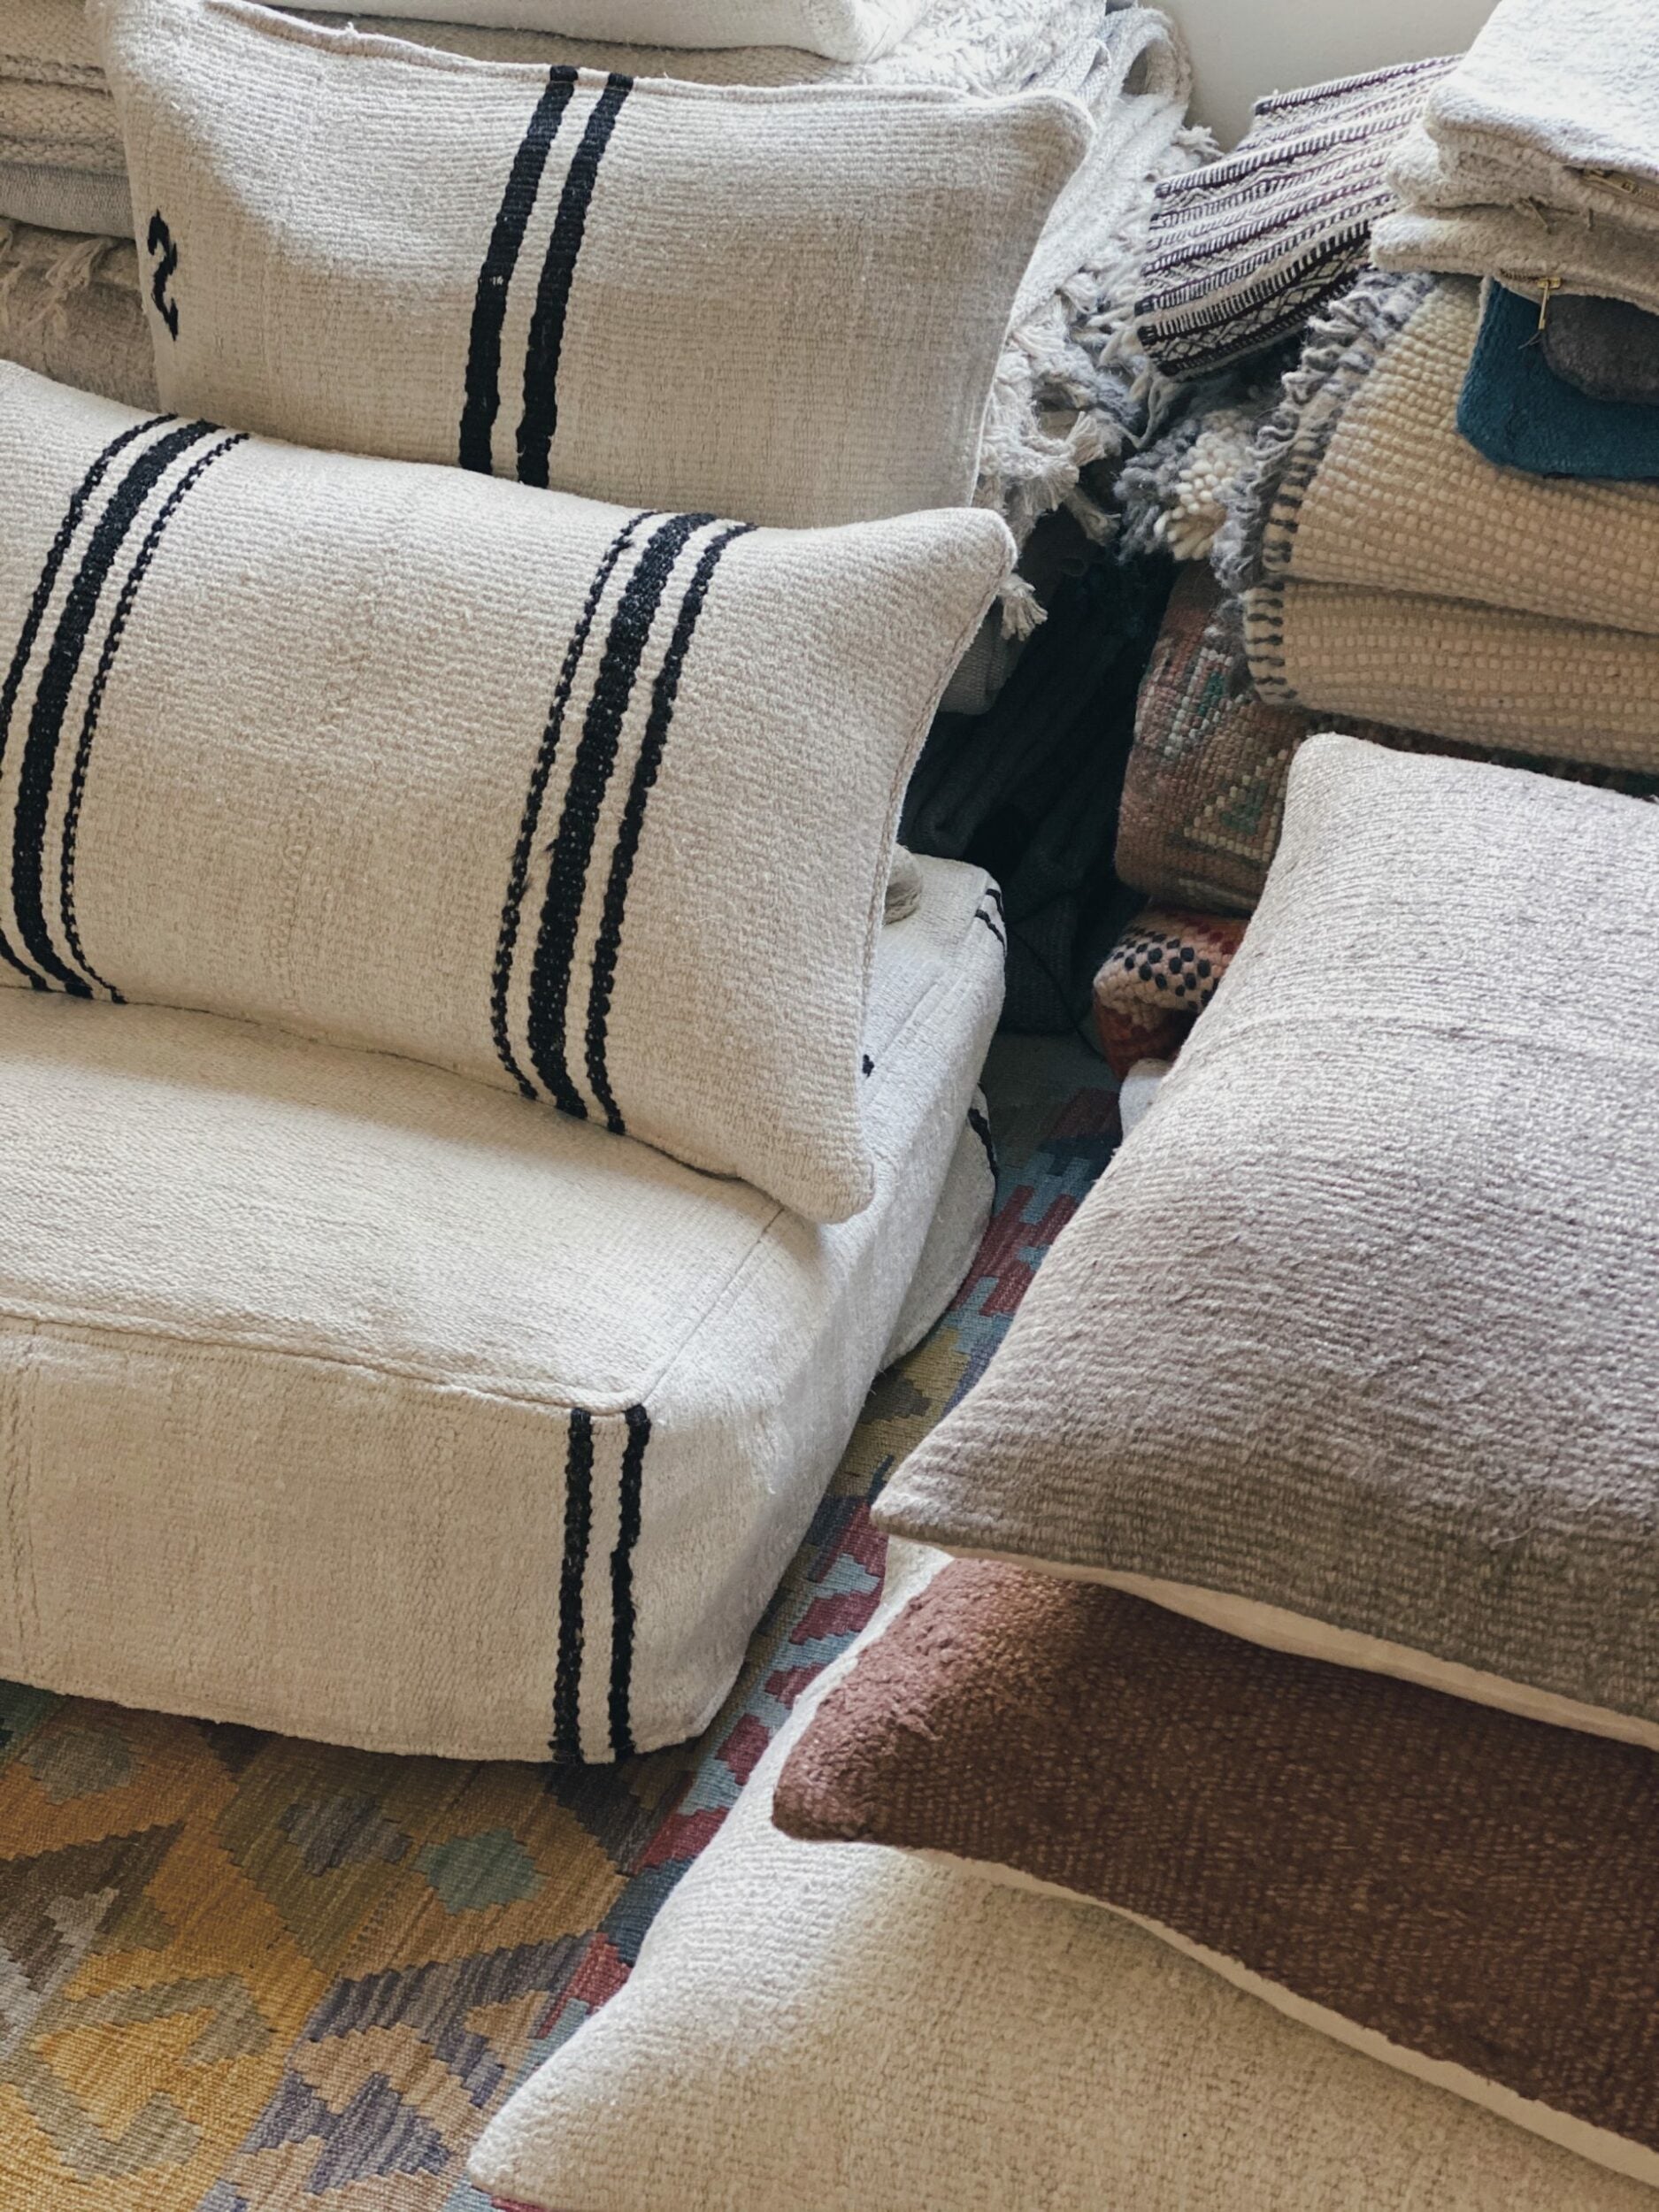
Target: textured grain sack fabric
<point x="1535" y="159"/>
<point x="1354" y="1347"/>
<point x="1244" y="249"/>
<point x="1204" y="792"/>
<point x="828" y="2026"/>
<point x="595" y="806"/>
<point x="69" y="309"/>
<point x="1455" y="1891"/>
<point x="1391" y="571"/>
<point x="843" y="30"/>
<point x="538" y="237"/>
<point x="342" y="1396"/>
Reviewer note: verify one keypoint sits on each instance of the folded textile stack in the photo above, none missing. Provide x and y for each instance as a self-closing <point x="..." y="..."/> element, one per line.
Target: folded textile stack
<point x="1391" y="571"/>
<point x="1536" y="161"/>
<point x="1283" y="1751"/>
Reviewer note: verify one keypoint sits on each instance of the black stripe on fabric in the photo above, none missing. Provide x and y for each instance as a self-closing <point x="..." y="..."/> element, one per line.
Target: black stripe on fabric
<point x="512" y="906"/>
<point x="482" y="403"/>
<point x="116" y="631"/>
<point x="42" y="600"/>
<point x="981" y="1129"/>
<point x="652" y="746"/>
<point x="980" y="915"/>
<point x="583" y="796"/>
<point x="36" y="769"/>
<point x="639" y="1424"/>
<point x="567" y="1741"/>
<point x="553" y="293"/>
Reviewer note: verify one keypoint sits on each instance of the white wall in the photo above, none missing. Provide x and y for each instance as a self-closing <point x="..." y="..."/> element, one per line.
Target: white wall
<point x="1244" y="48"/>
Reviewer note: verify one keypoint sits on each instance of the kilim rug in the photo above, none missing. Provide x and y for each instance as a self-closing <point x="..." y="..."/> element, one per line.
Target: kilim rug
<point x="240" y="1973"/>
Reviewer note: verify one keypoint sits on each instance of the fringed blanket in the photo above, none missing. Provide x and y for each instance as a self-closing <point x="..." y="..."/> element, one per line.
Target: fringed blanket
<point x="1389" y="570"/>
<point x="69" y="309"/>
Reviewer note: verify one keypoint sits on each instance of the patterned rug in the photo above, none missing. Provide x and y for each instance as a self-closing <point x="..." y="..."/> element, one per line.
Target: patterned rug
<point x="240" y="1973"/>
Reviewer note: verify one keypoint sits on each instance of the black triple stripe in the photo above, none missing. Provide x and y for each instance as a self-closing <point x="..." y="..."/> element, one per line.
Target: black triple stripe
<point x="51" y="697"/>
<point x="639" y="1426"/>
<point x="512" y="908"/>
<point x="579" y="823"/>
<point x="38" y="605"/>
<point x="116" y="631"/>
<point x="494" y="279"/>
<point x="652" y="746"/>
<point x="567" y="1741"/>
<point x="553" y="293"/>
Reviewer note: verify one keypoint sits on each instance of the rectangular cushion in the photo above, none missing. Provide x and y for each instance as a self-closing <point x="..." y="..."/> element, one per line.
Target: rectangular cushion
<point x="1465" y="1895"/>
<point x="593" y="806"/>
<point x="343" y="1397"/>
<point x="362" y="244"/>
<point x="1355" y="1347"/>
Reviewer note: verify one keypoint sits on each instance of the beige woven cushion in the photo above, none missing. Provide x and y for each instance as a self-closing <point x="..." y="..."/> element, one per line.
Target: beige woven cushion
<point x="594" y="807"/>
<point x="1354" y="1347"/>
<point x="384" y="248"/>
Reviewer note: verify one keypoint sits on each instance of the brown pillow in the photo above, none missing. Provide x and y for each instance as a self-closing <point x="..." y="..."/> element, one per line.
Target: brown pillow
<point x="1469" y="1896"/>
<point x="1355" y="1348"/>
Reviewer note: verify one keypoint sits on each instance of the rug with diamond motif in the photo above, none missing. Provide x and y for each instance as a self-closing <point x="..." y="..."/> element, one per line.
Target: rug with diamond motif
<point x="240" y="1973"/>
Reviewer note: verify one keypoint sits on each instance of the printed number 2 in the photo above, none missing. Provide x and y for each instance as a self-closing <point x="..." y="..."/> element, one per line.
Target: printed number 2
<point x="161" y="242"/>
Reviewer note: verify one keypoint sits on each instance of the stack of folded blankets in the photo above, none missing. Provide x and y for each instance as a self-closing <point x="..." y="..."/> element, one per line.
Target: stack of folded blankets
<point x="1261" y="1809"/>
<point x="1438" y="526"/>
<point x="459" y="1339"/>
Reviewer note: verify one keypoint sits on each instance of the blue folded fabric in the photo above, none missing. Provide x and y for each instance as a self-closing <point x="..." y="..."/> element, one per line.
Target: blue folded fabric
<point x="1517" y="410"/>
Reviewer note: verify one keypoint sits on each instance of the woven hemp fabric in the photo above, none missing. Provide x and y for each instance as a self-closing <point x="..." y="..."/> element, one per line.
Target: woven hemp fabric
<point x="69" y="309"/>
<point x="537" y="234"/>
<point x="1391" y="571"/>
<point x="1411" y="1424"/>
<point x="1455" y="1891"/>
<point x="1535" y="160"/>
<point x="561" y="897"/>
<point x="1244" y="249"/>
<point x="843" y="30"/>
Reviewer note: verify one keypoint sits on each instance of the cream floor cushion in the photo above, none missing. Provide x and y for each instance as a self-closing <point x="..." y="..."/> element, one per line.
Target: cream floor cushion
<point x="343" y="1396"/>
<point x="819" y="2027"/>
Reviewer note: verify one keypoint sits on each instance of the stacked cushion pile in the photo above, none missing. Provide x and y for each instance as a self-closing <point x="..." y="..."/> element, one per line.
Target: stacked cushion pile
<point x="1303" y="1619"/>
<point x="1058" y="400"/>
<point x="482" y="1100"/>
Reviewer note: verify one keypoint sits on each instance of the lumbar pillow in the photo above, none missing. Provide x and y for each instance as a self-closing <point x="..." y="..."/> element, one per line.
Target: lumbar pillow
<point x="1353" y="1348"/>
<point x="904" y="2034"/>
<point x="844" y="30"/>
<point x="592" y="805"/>
<point x="1465" y="1895"/>
<point x="377" y="247"/>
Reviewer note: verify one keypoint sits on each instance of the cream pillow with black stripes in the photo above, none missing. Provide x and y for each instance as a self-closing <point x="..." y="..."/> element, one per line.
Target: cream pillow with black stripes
<point x="844" y="30"/>
<point x="596" y="805"/>
<point x="378" y="247"/>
